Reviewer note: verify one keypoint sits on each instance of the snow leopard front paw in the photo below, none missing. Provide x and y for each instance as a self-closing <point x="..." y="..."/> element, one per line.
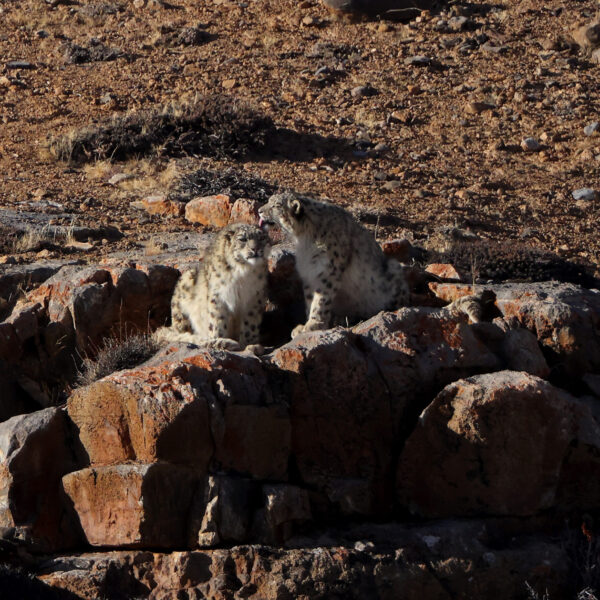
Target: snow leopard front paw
<point x="310" y="325"/>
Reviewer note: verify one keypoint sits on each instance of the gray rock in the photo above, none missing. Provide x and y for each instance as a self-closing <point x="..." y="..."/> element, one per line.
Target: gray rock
<point x="530" y="144"/>
<point x="120" y="178"/>
<point x="418" y="60"/>
<point x="20" y="64"/>
<point x="587" y="194"/>
<point x="391" y="186"/>
<point x="592" y="128"/>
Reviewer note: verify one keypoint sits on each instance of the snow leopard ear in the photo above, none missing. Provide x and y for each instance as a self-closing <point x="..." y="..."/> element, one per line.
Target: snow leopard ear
<point x="297" y="208"/>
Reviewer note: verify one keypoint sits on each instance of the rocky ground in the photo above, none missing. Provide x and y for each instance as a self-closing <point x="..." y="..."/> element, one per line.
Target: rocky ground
<point x="419" y="127"/>
<point x="415" y="455"/>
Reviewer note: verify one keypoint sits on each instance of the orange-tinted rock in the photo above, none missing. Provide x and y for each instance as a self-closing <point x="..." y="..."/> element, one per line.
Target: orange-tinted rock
<point x="244" y="210"/>
<point x="95" y="303"/>
<point x="209" y="210"/>
<point x="445" y="271"/>
<point x="187" y="409"/>
<point x="500" y="444"/>
<point x="401" y="249"/>
<point x="133" y="505"/>
<point x="144" y="415"/>
<point x="34" y="455"/>
<point x="161" y="205"/>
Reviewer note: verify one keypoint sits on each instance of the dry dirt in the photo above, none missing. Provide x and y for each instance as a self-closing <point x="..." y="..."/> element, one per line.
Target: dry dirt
<point x="427" y="149"/>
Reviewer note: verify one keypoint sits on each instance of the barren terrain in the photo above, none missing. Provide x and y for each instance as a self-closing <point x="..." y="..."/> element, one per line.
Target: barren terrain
<point x="417" y="127"/>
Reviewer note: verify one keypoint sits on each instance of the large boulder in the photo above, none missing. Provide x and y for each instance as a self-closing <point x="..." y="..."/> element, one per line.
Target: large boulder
<point x="34" y="455"/>
<point x="505" y="443"/>
<point x="190" y="408"/>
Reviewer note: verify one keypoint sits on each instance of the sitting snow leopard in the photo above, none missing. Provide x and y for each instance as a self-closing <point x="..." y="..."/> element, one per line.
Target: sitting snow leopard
<point x="222" y="301"/>
<point x="344" y="272"/>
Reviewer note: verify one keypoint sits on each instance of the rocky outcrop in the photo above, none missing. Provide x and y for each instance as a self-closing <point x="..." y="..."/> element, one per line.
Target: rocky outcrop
<point x="564" y="317"/>
<point x="191" y="462"/>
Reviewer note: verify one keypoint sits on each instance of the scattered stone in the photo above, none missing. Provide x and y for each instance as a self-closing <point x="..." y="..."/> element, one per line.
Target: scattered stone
<point x="586" y="194"/>
<point x="400" y="249"/>
<point x="419" y="60"/>
<point x="363" y="91"/>
<point x="587" y="36"/>
<point x="459" y="23"/>
<point x="445" y="271"/>
<point x="19" y="64"/>
<point x="391" y="186"/>
<point x="120" y="178"/>
<point x="79" y="246"/>
<point x="476" y="108"/>
<point x="161" y="205"/>
<point x="488" y="47"/>
<point x="95" y="52"/>
<point x="530" y="144"/>
<point x="592" y="128"/>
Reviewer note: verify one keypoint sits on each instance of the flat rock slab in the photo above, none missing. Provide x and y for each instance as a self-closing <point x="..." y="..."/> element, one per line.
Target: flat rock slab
<point x="441" y="561"/>
<point x="25" y="221"/>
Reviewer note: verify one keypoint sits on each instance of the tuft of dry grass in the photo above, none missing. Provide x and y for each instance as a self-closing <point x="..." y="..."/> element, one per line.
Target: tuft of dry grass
<point x="211" y="125"/>
<point x="117" y="354"/>
<point x="33" y="239"/>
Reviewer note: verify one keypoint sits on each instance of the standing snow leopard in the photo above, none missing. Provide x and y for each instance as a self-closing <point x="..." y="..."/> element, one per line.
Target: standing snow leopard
<point x="222" y="301"/>
<point x="344" y="272"/>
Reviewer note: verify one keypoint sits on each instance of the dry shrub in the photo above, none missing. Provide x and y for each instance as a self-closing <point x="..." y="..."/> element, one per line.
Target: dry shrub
<point x="213" y="125"/>
<point x="236" y="184"/>
<point x="94" y="52"/>
<point x="117" y="354"/>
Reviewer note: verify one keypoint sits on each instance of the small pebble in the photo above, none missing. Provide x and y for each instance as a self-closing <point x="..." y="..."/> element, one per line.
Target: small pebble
<point x="592" y="128"/>
<point x="119" y="178"/>
<point x="417" y="60"/>
<point x="530" y="144"/>
<point x="390" y="186"/>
